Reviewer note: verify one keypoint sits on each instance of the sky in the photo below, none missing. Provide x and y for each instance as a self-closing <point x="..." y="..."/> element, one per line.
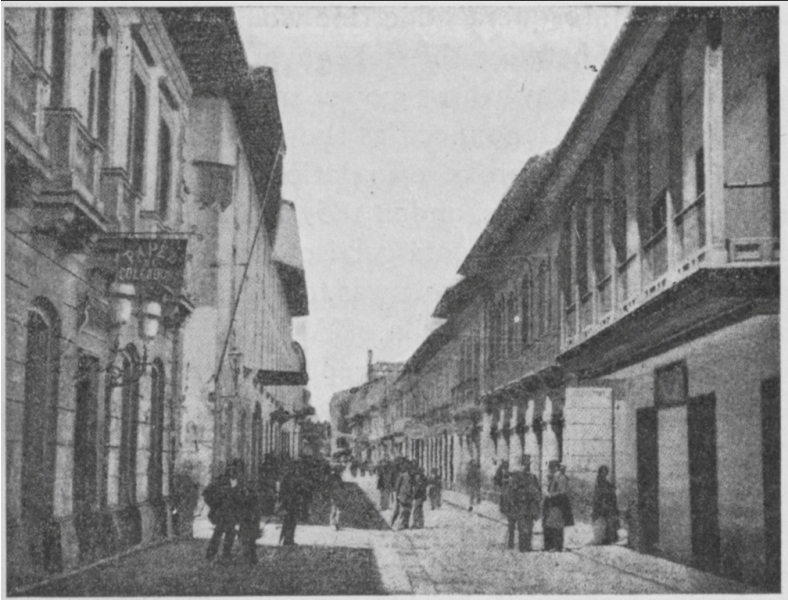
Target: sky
<point x="405" y="126"/>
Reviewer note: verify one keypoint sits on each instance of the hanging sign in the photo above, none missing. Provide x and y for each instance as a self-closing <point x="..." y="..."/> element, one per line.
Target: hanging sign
<point x="146" y="261"/>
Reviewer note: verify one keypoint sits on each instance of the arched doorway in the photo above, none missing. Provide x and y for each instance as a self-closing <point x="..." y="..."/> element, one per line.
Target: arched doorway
<point x="127" y="469"/>
<point x="86" y="455"/>
<point x="40" y="428"/>
<point x="156" y="460"/>
<point x="155" y="464"/>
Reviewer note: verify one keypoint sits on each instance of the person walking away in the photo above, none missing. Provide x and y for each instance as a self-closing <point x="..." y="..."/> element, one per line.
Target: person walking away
<point x="404" y="492"/>
<point x="419" y="497"/>
<point x="557" y="512"/>
<point x="290" y="502"/>
<point x="435" y="489"/>
<point x="474" y="482"/>
<point x="604" y="513"/>
<point x="335" y="490"/>
<point x="224" y="498"/>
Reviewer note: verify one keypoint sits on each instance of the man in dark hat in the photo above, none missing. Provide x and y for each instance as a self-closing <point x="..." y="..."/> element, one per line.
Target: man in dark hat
<point x="225" y="499"/>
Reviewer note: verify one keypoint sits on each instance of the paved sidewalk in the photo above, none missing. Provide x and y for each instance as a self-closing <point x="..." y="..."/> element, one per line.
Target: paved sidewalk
<point x="463" y="552"/>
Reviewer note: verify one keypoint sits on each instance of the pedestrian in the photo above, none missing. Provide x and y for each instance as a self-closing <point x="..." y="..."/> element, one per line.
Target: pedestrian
<point x="474" y="481"/>
<point x="521" y="499"/>
<point x="435" y="489"/>
<point x="557" y="512"/>
<point x="335" y="490"/>
<point x="249" y="530"/>
<point x="290" y="503"/>
<point x="225" y="499"/>
<point x="419" y="497"/>
<point x="604" y="513"/>
<point x="503" y="468"/>
<point x="404" y="492"/>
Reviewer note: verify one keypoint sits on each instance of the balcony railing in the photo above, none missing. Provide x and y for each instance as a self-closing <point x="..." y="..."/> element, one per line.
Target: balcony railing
<point x="570" y="323"/>
<point x="586" y="313"/>
<point x="655" y="256"/>
<point x="628" y="285"/>
<point x="605" y="296"/>
<point x="674" y="253"/>
<point x="691" y="229"/>
<point x="24" y="92"/>
<point x="465" y="391"/>
<point x="750" y="228"/>
<point x="75" y="155"/>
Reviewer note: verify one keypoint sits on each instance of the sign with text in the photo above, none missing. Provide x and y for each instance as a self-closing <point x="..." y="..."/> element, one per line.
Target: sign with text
<point x="146" y="261"/>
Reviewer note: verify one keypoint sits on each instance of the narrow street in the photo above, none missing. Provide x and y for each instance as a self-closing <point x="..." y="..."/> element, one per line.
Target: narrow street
<point x="457" y="552"/>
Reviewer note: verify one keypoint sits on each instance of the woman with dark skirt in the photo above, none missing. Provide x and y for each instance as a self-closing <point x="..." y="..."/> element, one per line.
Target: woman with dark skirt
<point x="604" y="513"/>
<point x="557" y="512"/>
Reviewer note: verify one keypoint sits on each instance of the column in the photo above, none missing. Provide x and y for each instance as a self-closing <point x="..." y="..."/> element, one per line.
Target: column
<point x="531" y="443"/>
<point x="549" y="441"/>
<point x="713" y="141"/>
<point x="486" y="447"/>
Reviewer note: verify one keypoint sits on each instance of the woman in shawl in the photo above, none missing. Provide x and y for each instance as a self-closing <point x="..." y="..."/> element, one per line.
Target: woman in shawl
<point x="604" y="513"/>
<point x="557" y="512"/>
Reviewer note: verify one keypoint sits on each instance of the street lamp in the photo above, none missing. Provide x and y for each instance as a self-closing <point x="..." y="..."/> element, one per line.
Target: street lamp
<point x="122" y="305"/>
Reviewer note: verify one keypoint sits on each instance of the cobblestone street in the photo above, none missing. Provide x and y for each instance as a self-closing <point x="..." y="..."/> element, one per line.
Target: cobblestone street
<point x="457" y="552"/>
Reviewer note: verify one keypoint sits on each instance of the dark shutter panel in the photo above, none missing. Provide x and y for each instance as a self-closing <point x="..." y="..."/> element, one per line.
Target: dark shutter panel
<point x="675" y="144"/>
<point x="643" y="199"/>
<point x="564" y="262"/>
<point x="581" y="264"/>
<point x="619" y="203"/>
<point x="598" y="221"/>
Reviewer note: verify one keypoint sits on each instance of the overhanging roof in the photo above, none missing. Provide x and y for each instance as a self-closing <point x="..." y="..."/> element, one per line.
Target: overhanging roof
<point x="208" y="44"/>
<point x="288" y="258"/>
<point x="513" y="209"/>
<point x="457" y="297"/>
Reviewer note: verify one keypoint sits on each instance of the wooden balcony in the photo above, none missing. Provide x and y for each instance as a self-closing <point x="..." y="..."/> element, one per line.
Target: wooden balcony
<point x="671" y="270"/>
<point x="26" y="86"/>
<point x="72" y="203"/>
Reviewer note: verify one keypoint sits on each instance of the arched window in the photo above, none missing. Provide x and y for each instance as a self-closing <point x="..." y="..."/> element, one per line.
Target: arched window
<point x="511" y="318"/>
<point x="525" y="309"/>
<point x="542" y="299"/>
<point x="156" y="462"/>
<point x="42" y="359"/>
<point x="129" y="428"/>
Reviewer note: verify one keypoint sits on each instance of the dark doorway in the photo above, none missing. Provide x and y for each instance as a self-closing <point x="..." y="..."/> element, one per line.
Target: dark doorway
<point x="648" y="480"/>
<point x="40" y="428"/>
<point x="704" y="508"/>
<point x="770" y="428"/>
<point x="86" y="454"/>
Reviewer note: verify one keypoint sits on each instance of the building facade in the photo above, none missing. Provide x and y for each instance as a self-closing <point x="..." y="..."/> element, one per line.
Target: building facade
<point x="251" y="284"/>
<point x="621" y="307"/>
<point x="96" y="110"/>
<point x="152" y="274"/>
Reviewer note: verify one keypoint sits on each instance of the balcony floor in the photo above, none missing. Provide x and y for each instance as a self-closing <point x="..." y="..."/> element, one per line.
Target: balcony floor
<point x="703" y="302"/>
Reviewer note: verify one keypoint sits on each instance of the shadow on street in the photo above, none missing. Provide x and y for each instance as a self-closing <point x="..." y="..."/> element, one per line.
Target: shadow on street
<point x="180" y="570"/>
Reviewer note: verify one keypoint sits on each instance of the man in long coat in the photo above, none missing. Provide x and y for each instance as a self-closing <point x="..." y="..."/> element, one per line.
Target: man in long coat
<point x="521" y="503"/>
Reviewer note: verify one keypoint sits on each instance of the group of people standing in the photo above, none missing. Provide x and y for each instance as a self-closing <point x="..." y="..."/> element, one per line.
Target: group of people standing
<point x="522" y="504"/>
<point x="404" y="482"/>
<point x="284" y="488"/>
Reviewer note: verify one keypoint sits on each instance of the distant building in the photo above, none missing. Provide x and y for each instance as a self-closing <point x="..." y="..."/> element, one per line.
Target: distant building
<point x="357" y="414"/>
